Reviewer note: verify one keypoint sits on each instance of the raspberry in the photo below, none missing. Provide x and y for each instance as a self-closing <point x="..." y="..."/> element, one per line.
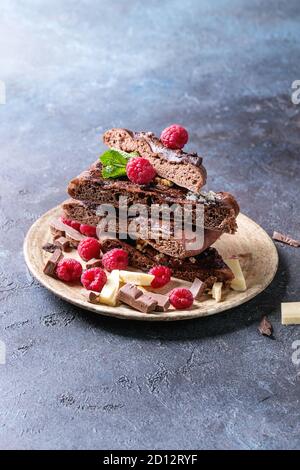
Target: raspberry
<point x="174" y="137"/>
<point x="89" y="248"/>
<point x="162" y="276"/>
<point x="140" y="171"/>
<point x="88" y="230"/>
<point x="115" y="259"/>
<point x="71" y="223"/>
<point x="69" y="270"/>
<point x="181" y="298"/>
<point x="94" y="279"/>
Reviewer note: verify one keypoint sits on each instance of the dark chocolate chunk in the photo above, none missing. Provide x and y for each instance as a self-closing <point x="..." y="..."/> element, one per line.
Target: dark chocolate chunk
<point x="281" y="237"/>
<point x="265" y="327"/>
<point x="50" y="266"/>
<point x="49" y="247"/>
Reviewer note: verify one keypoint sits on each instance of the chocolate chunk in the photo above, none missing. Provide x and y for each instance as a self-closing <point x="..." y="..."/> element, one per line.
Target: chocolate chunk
<point x="63" y="244"/>
<point x="50" y="267"/>
<point x="131" y="291"/>
<point x="93" y="263"/>
<point x="57" y="227"/>
<point x="163" y="302"/>
<point x="197" y="288"/>
<point x="74" y="239"/>
<point x="146" y="303"/>
<point x="49" y="247"/>
<point x="265" y="327"/>
<point x="93" y="297"/>
<point x="281" y="237"/>
<point x="135" y="298"/>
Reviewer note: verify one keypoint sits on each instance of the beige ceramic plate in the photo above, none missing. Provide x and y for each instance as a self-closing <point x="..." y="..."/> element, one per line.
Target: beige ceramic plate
<point x="250" y="238"/>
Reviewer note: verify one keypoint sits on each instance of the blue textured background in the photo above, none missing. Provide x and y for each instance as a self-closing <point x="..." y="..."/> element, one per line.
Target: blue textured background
<point x="224" y="70"/>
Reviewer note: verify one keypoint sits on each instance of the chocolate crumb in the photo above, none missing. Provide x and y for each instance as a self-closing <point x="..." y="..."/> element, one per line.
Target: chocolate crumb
<point x="265" y="327"/>
<point x="283" y="238"/>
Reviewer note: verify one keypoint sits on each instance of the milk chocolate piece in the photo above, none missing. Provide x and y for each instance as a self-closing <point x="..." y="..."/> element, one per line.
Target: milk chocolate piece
<point x="58" y="227"/>
<point x="130" y="290"/>
<point x="50" y="267"/>
<point x="197" y="288"/>
<point x="63" y="243"/>
<point x="265" y="327"/>
<point x="163" y="302"/>
<point x="93" y="263"/>
<point x="49" y="247"/>
<point x="146" y="303"/>
<point x="135" y="298"/>
<point x="281" y="237"/>
<point x="93" y="297"/>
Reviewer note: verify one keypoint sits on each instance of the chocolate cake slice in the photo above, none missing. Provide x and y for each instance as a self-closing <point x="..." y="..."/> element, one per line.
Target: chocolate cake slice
<point x="220" y="209"/>
<point x="208" y="266"/>
<point x="163" y="235"/>
<point x="184" y="169"/>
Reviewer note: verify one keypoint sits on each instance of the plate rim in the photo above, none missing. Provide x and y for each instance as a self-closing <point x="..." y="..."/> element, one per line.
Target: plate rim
<point x="132" y="314"/>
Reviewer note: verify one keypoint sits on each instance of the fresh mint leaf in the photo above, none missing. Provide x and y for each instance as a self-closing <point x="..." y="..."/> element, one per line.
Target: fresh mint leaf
<point x="127" y="155"/>
<point x="114" y="162"/>
<point x="110" y="171"/>
<point x="114" y="158"/>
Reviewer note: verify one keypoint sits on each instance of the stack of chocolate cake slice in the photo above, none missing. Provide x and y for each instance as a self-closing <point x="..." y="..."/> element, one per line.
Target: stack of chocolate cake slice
<point x="180" y="178"/>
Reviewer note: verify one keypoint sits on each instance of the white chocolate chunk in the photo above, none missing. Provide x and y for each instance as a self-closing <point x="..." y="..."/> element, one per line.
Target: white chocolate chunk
<point x="216" y="291"/>
<point x="238" y="283"/>
<point x="109" y="293"/>
<point x="139" y="279"/>
<point x="290" y="313"/>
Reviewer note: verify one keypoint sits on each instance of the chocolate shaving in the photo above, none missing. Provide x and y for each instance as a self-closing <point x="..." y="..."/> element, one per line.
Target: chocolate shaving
<point x="281" y="237"/>
<point x="265" y="327"/>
